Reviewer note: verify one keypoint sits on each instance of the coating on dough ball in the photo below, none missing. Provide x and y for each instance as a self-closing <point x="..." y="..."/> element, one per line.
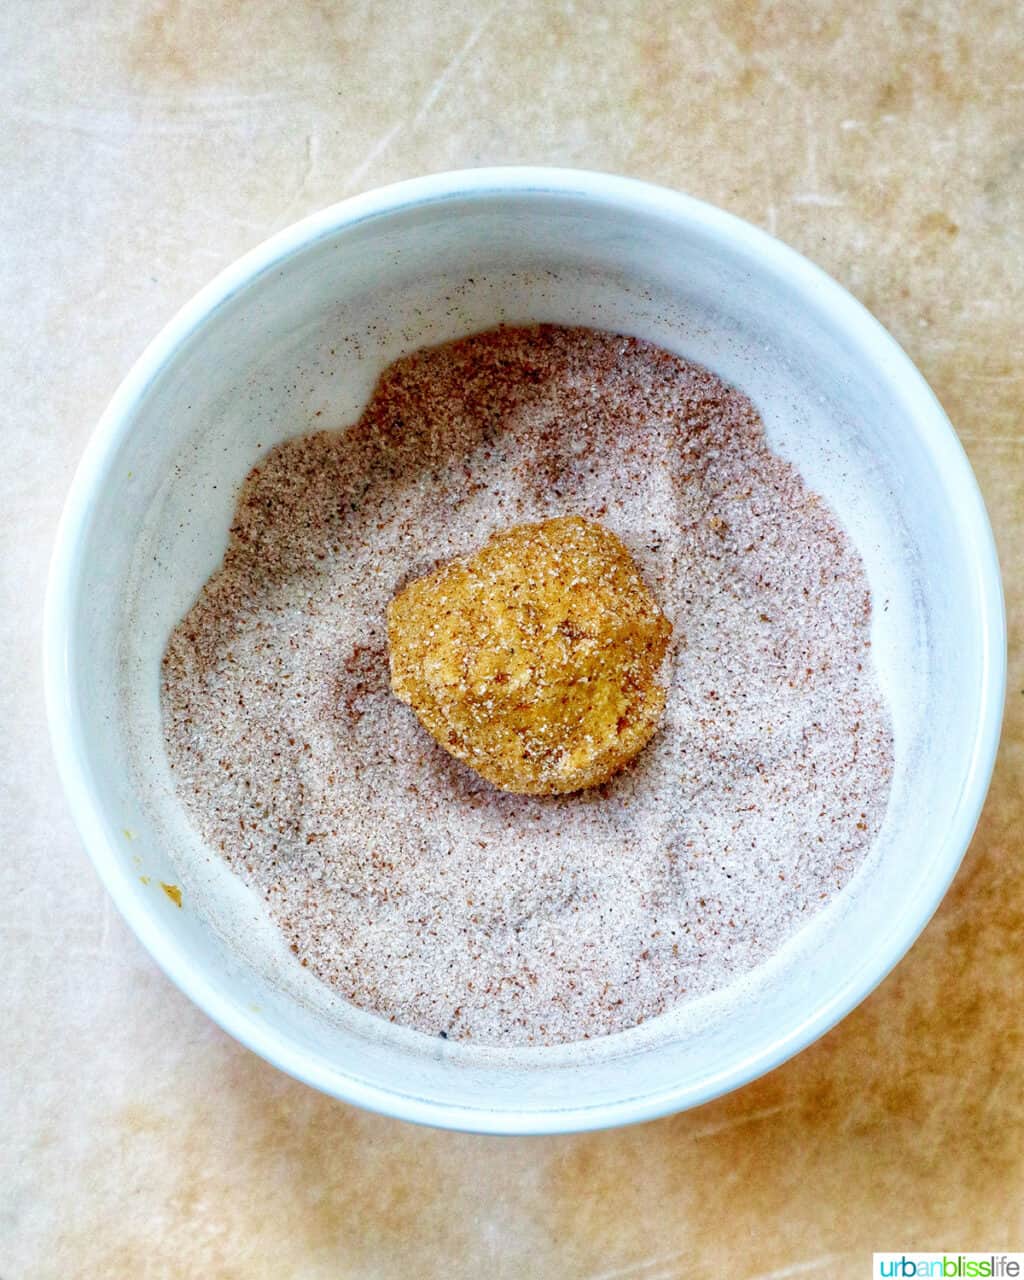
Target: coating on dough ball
<point x="534" y="661"/>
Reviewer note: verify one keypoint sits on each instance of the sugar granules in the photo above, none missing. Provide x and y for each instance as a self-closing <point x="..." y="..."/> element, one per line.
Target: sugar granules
<point x="400" y="878"/>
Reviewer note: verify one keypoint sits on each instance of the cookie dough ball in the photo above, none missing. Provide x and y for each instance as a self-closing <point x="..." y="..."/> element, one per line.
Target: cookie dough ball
<point x="534" y="661"/>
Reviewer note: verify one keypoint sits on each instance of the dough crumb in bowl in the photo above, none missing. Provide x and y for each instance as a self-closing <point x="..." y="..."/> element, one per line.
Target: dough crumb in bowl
<point x="399" y="877"/>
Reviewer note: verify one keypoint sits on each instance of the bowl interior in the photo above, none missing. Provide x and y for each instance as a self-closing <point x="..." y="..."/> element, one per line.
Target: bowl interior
<point x="293" y="344"/>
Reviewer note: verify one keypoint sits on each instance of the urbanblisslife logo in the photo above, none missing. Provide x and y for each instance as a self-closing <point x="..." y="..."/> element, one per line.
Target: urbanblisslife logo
<point x="949" y="1266"/>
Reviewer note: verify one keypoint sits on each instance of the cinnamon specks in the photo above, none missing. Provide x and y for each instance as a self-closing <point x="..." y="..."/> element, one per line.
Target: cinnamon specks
<point x="398" y="876"/>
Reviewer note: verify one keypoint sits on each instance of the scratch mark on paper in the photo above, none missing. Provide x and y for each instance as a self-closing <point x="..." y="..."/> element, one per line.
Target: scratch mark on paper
<point x="453" y="64"/>
<point x="798" y="1268"/>
<point x="641" y="1269"/>
<point x="129" y="115"/>
<point x="748" y="1117"/>
<point x="812" y="197"/>
<point x="373" y="155"/>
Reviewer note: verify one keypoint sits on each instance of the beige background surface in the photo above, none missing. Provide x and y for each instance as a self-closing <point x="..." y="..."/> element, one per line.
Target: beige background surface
<point x="144" y="145"/>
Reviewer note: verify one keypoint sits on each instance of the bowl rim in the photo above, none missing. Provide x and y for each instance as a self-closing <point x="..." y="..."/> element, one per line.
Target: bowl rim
<point x="874" y="345"/>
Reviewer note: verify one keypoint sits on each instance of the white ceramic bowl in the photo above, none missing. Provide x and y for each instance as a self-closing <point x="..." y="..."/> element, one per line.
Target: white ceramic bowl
<point x="300" y="327"/>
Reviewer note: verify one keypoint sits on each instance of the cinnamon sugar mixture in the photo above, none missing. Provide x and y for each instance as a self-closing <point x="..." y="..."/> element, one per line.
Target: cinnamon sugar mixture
<point x="405" y="881"/>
